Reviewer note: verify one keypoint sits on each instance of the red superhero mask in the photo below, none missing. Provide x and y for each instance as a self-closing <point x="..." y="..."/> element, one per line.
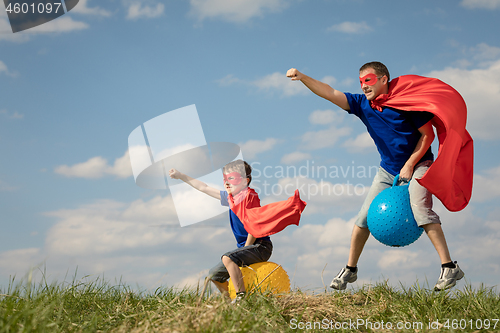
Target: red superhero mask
<point x="369" y="79"/>
<point x="233" y="178"/>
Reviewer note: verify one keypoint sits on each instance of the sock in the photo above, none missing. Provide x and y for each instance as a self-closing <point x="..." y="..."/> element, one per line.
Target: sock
<point x="241" y="293"/>
<point x="352" y="269"/>
<point x="450" y="264"/>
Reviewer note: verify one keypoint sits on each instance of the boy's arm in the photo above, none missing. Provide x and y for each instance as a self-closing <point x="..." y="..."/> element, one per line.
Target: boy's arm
<point x="319" y="88"/>
<point x="250" y="240"/>
<point x="421" y="148"/>
<point x="195" y="183"/>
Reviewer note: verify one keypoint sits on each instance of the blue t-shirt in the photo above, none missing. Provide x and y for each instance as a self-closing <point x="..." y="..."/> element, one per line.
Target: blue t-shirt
<point x="395" y="132"/>
<point x="238" y="229"/>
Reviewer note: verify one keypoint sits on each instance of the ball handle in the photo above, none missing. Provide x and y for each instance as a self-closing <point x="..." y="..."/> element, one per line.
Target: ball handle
<point x="396" y="180"/>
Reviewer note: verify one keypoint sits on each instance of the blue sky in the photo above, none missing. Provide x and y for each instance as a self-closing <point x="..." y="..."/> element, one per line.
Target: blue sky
<point x="72" y="91"/>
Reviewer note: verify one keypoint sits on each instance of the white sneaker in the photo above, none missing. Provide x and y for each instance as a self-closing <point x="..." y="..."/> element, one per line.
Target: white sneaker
<point x="239" y="297"/>
<point x="344" y="277"/>
<point x="448" y="278"/>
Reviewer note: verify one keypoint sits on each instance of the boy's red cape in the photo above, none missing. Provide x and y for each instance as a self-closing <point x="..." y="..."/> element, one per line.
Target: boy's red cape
<point x="270" y="219"/>
<point x="450" y="176"/>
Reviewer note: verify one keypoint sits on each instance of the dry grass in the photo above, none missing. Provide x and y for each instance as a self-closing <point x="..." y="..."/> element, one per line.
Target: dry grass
<point x="96" y="306"/>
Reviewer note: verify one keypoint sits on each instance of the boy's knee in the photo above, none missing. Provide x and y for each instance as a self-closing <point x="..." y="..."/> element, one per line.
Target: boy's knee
<point x="226" y="260"/>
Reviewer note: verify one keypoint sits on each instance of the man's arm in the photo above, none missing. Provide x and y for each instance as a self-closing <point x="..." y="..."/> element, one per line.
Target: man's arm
<point x="195" y="183"/>
<point x="319" y="88"/>
<point x="420" y="149"/>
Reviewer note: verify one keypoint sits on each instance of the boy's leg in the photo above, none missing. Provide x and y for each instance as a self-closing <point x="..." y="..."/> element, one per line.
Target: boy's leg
<point x="222" y="286"/>
<point x="259" y="252"/>
<point x="219" y="275"/>
<point x="234" y="273"/>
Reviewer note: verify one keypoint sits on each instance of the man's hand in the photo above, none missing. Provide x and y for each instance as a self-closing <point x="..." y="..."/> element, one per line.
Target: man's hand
<point x="294" y="74"/>
<point x="174" y="174"/>
<point x="406" y="173"/>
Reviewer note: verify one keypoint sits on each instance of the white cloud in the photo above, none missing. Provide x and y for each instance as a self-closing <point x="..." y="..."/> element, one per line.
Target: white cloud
<point x="228" y="80"/>
<point x="485" y="54"/>
<point x="15" y="115"/>
<point x="280" y="83"/>
<point x="323" y="117"/>
<point x="313" y="140"/>
<point x="331" y="193"/>
<point x="6" y="31"/>
<point x="83" y="8"/>
<point x="97" y="167"/>
<point x="275" y="83"/>
<point x="108" y="226"/>
<point x="4" y="69"/>
<point x="402" y="258"/>
<point x="253" y="147"/>
<point x="362" y="142"/>
<point x="6" y="187"/>
<point x="295" y="157"/>
<point x="483" y="4"/>
<point x="120" y="240"/>
<point x="194" y="281"/>
<point x="237" y="11"/>
<point x="20" y="260"/>
<point x="351" y="27"/>
<point x="481" y="91"/>
<point x="138" y="10"/>
<point x="61" y="24"/>
<point x="330" y="80"/>
<point x="486" y="185"/>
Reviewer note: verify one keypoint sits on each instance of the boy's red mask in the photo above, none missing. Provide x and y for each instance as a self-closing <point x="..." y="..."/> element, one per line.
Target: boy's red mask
<point x="233" y="178"/>
<point x="369" y="79"/>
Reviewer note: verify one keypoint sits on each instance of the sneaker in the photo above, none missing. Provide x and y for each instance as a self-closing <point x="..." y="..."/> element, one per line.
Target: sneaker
<point x="239" y="297"/>
<point x="448" y="278"/>
<point x="345" y="276"/>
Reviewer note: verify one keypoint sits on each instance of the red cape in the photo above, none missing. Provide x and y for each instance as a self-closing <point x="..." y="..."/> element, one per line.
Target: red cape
<point x="270" y="219"/>
<point x="450" y="176"/>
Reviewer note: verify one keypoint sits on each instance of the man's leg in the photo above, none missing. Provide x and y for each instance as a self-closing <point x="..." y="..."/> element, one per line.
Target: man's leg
<point x="358" y="239"/>
<point x="421" y="204"/>
<point x="360" y="232"/>
<point x="436" y="235"/>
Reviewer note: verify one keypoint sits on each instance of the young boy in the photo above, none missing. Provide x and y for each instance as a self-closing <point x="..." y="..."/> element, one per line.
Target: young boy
<point x="250" y="250"/>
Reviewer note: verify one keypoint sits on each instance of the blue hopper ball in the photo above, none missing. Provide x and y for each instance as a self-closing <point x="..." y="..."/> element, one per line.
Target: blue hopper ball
<point x="390" y="218"/>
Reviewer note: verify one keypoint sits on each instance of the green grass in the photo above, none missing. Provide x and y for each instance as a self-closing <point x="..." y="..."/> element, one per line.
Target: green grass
<point x="98" y="306"/>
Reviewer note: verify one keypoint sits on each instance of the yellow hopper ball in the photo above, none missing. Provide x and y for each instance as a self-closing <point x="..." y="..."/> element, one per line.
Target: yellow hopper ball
<point x="263" y="277"/>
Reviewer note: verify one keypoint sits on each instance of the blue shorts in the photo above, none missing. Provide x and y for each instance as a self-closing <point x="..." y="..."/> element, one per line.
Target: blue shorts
<point x="243" y="256"/>
<point x="420" y="197"/>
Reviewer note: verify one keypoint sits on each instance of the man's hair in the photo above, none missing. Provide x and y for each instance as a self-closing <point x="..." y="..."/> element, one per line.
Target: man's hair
<point x="241" y="167"/>
<point x="379" y="68"/>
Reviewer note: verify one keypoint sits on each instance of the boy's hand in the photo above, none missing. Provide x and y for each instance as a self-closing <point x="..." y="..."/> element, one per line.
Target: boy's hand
<point x="174" y="174"/>
<point x="294" y="74"/>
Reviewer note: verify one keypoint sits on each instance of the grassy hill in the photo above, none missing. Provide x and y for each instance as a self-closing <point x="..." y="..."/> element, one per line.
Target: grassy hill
<point x="97" y="306"/>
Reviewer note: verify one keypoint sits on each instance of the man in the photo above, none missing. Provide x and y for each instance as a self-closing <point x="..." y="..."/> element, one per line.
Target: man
<point x="403" y="139"/>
